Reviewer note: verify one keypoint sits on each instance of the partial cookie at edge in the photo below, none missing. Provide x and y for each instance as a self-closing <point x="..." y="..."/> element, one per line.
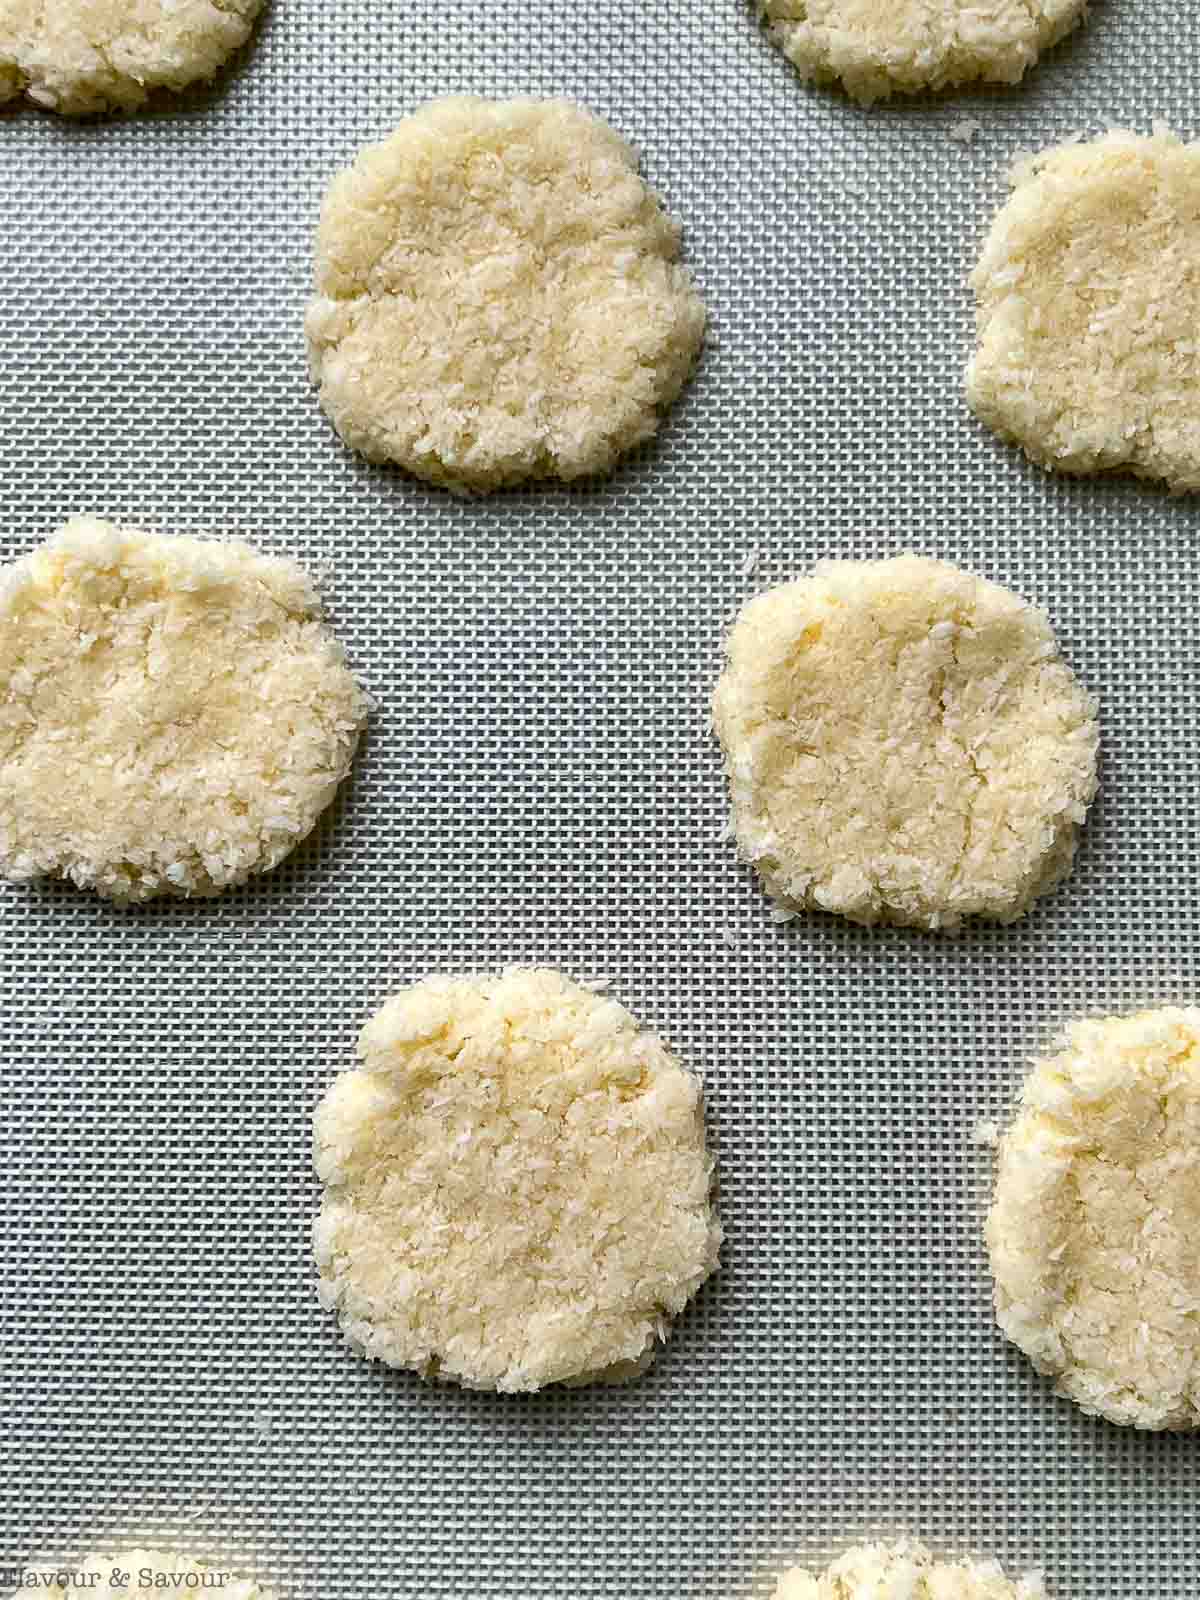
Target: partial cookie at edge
<point x="80" y="57"/>
<point x="876" y="48"/>
<point x="1088" y="292"/>
<point x="1093" y="1229"/>
<point x="907" y="1570"/>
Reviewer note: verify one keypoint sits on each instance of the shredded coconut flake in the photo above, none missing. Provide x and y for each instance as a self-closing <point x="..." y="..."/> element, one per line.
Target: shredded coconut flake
<point x="963" y="132"/>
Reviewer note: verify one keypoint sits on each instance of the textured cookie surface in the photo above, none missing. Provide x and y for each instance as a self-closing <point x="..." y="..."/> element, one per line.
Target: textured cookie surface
<point x="1094" y="1232"/>
<point x="906" y="1571"/>
<point x="133" y="1572"/>
<point x="83" y="56"/>
<point x="1088" y="295"/>
<point x="880" y="47"/>
<point x="173" y="714"/>
<point x="517" y="1186"/>
<point x="903" y="744"/>
<point x="498" y="297"/>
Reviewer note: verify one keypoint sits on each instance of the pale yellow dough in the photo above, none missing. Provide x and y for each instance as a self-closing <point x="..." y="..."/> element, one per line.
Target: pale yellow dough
<point x="497" y="296"/>
<point x="137" y="1572"/>
<point x="1094" y="1231"/>
<point x="1088" y="295"/>
<point x="876" y="48"/>
<point x="903" y="744"/>
<point x="173" y="714"/>
<point x="82" y="56"/>
<point x="906" y="1570"/>
<point x="517" y="1189"/>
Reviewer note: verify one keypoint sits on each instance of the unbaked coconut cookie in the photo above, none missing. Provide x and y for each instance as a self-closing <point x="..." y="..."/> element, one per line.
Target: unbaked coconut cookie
<point x="880" y="47"/>
<point x="83" y="56"/>
<point x="498" y="297"/>
<point x="903" y="744"/>
<point x="1088" y="307"/>
<point x="907" y="1571"/>
<point x="173" y="714"/>
<point x="131" y="1572"/>
<point x="1094" y="1232"/>
<point x="517" y="1190"/>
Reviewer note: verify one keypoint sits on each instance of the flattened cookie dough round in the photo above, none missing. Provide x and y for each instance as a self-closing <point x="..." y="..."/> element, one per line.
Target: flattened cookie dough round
<point x="498" y="297"/>
<point x="143" y="1572"/>
<point x="907" y="1571"/>
<point x="78" y="57"/>
<point x="876" y="48"/>
<point x="173" y="714"/>
<point x="1088" y="295"/>
<point x="903" y="744"/>
<point x="1094" y="1232"/>
<point x="517" y="1189"/>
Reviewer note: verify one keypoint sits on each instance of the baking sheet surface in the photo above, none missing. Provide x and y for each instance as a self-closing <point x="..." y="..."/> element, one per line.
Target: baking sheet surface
<point x="538" y="785"/>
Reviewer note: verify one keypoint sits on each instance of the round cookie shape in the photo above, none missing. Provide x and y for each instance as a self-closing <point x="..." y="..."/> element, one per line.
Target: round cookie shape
<point x="517" y="1189"/>
<point x="876" y="48"/>
<point x="1094" y="1228"/>
<point x="1088" y="292"/>
<point x="498" y="297"/>
<point x="135" y="1572"/>
<point x="173" y="714"/>
<point x="79" y="57"/>
<point x="903" y="744"/>
<point x="906" y="1570"/>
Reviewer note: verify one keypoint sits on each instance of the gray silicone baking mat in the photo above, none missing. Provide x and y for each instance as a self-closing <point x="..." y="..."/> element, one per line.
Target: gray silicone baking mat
<point x="538" y="785"/>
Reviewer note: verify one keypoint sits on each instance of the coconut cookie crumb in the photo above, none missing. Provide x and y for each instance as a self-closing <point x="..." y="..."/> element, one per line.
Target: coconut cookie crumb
<point x="1094" y="1232"/>
<point x="145" y="1572"/>
<point x="78" y="57"/>
<point x="1088" y="294"/>
<point x="876" y="48"/>
<point x="173" y="714"/>
<point x="964" y="131"/>
<point x="517" y="1189"/>
<point x="907" y="1571"/>
<point x="903" y="744"/>
<point x="498" y="296"/>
